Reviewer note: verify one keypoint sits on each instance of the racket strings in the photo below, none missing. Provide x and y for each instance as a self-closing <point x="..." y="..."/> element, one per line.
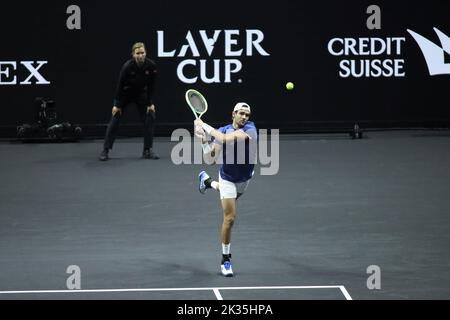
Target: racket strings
<point x="197" y="103"/>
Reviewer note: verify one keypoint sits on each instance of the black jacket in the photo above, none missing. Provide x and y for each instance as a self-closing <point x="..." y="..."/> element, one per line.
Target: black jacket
<point x="135" y="82"/>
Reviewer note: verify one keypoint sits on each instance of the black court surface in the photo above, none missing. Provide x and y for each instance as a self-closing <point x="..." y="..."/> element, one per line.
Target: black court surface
<point x="342" y="219"/>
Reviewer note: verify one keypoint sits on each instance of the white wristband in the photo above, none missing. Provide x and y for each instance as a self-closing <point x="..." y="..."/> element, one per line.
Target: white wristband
<point x="207" y="148"/>
<point x="208" y="129"/>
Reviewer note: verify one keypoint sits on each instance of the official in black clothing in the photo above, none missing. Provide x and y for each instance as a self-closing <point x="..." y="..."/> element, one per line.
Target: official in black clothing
<point x="135" y="86"/>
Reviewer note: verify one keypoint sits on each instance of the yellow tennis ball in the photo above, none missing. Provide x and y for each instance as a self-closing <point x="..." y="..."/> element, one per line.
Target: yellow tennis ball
<point x="289" y="86"/>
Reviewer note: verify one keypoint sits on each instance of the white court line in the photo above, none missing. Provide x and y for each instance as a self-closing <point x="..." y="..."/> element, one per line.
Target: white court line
<point x="345" y="293"/>
<point x="217" y="293"/>
<point x="215" y="290"/>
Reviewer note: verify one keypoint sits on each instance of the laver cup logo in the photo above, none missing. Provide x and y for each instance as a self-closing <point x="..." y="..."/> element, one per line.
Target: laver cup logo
<point x="211" y="56"/>
<point x="434" y="54"/>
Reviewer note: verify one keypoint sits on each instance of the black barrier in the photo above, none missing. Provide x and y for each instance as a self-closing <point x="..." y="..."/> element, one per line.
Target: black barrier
<point x="383" y="65"/>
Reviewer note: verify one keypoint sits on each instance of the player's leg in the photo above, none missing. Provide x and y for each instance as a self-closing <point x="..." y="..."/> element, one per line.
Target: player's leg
<point x="111" y="133"/>
<point x="229" y="216"/>
<point x="228" y="195"/>
<point x="205" y="182"/>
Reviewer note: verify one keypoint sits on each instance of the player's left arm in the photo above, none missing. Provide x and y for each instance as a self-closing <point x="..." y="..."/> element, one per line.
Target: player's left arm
<point x="238" y="135"/>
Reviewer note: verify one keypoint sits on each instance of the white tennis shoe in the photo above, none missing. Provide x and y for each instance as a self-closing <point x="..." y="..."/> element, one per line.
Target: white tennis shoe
<point x="202" y="177"/>
<point x="226" y="269"/>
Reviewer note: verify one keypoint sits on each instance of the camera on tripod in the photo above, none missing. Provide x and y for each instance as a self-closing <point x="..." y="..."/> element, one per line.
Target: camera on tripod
<point x="46" y="125"/>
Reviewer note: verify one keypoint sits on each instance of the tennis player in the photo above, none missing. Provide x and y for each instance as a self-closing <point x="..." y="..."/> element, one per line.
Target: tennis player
<point x="234" y="175"/>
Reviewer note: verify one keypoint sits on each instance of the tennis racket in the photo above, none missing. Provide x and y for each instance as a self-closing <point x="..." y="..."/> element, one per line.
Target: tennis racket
<point x="197" y="102"/>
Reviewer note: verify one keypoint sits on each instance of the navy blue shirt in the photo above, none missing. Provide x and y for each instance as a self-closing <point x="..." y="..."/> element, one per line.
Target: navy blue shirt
<point x="239" y="165"/>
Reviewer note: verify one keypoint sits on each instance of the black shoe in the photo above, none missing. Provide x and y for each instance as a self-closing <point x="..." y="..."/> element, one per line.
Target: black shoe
<point x="104" y="155"/>
<point x="149" y="154"/>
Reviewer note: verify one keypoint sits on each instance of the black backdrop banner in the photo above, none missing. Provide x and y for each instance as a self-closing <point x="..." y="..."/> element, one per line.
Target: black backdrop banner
<point x="380" y="65"/>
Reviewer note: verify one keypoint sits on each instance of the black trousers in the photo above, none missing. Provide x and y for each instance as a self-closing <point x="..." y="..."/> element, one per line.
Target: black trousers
<point x="148" y="119"/>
